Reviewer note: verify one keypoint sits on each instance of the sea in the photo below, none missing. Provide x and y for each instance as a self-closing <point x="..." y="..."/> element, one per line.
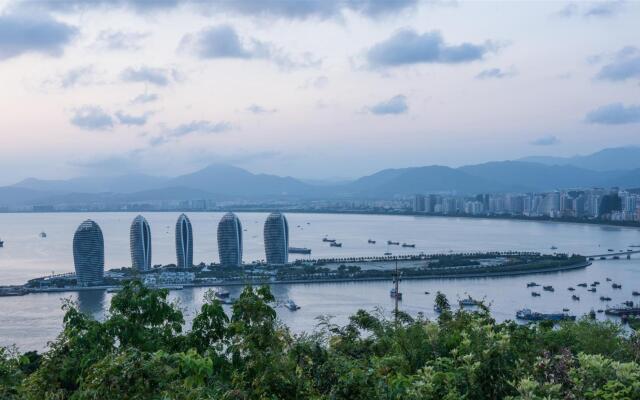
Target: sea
<point x="30" y="322"/>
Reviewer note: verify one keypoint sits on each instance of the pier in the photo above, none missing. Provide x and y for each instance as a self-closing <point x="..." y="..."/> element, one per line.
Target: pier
<point x="615" y="254"/>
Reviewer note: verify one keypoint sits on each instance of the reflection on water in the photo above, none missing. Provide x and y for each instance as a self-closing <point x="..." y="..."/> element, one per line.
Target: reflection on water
<point x="92" y="302"/>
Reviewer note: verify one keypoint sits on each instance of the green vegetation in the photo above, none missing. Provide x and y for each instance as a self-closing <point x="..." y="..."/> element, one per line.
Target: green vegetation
<point x="142" y="351"/>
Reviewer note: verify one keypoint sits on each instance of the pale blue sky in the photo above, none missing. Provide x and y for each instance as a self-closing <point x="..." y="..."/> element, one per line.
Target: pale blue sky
<point x="310" y="89"/>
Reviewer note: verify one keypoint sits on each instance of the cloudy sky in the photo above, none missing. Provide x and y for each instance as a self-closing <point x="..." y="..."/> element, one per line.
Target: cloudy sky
<point x="312" y="89"/>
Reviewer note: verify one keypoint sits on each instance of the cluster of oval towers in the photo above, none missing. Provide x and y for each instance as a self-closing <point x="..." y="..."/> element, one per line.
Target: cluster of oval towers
<point x="88" y="245"/>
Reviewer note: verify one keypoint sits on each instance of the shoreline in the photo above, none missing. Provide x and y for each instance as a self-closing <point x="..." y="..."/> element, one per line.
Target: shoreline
<point x="341" y="280"/>
<point x="577" y="221"/>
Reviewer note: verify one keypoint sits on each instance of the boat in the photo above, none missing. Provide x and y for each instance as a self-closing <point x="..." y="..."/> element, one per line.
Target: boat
<point x="565" y="310"/>
<point x="426" y="293"/>
<point x="603" y="258"/>
<point x="221" y="294"/>
<point x="437" y="309"/>
<point x="593" y="285"/>
<point x="299" y="250"/>
<point x="528" y="315"/>
<point x="605" y="298"/>
<point x="616" y="286"/>
<point x="327" y="240"/>
<point x="596" y="282"/>
<point x="335" y="244"/>
<point x="576" y="298"/>
<point x="608" y="279"/>
<point x="114" y="289"/>
<point x="592" y="314"/>
<point x="582" y="284"/>
<point x="610" y="250"/>
<point x="628" y="303"/>
<point x="408" y="245"/>
<point x="532" y="284"/>
<point x="469" y="301"/>
<point x="391" y="243"/>
<point x="548" y="288"/>
<point x="371" y="241"/>
<point x="1" y="243"/>
<point x="387" y="254"/>
<point x="535" y="294"/>
<point x="395" y="294"/>
<point x="600" y="311"/>
<point x="570" y="289"/>
<point x="591" y="290"/>
<point x="635" y="293"/>
<point x="43" y="234"/>
<point x="554" y="248"/>
<point x="620" y="311"/>
<point x="291" y="305"/>
<point x="616" y="257"/>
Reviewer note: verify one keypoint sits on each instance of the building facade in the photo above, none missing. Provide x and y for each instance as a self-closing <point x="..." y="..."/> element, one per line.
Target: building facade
<point x="230" y="240"/>
<point x="88" y="253"/>
<point x="276" y="239"/>
<point x="184" y="242"/>
<point x="140" y="244"/>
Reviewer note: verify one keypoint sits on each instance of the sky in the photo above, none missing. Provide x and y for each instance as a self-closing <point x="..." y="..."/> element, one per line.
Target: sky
<point x="311" y="89"/>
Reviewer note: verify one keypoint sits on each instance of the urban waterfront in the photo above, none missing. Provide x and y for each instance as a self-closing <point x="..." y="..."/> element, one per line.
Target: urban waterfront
<point x="32" y="320"/>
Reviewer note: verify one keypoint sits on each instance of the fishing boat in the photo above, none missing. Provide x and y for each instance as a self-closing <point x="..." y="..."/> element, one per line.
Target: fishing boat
<point x="635" y="293"/>
<point x="43" y="234"/>
<point x="299" y="250"/>
<point x="327" y="240"/>
<point x="221" y="294"/>
<point x="1" y="243"/>
<point x="608" y="279"/>
<point x="535" y="294"/>
<point x="392" y="243"/>
<point x="582" y="284"/>
<point x="408" y="245"/>
<point x="426" y="292"/>
<point x="528" y="315"/>
<point x="596" y="282"/>
<point x="591" y="290"/>
<point x="371" y="241"/>
<point x="620" y="311"/>
<point x="335" y="244"/>
<point x="469" y="301"/>
<point x="565" y="310"/>
<point x="387" y="254"/>
<point x="554" y="248"/>
<point x="628" y="303"/>
<point x="291" y="305"/>
<point x="548" y="288"/>
<point x="576" y="298"/>
<point x="605" y="298"/>
<point x="616" y="286"/>
<point x="532" y="284"/>
<point x="570" y="289"/>
<point x="395" y="294"/>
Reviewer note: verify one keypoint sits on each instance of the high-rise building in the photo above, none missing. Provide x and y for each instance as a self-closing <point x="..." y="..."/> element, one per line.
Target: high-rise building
<point x="88" y="253"/>
<point x="140" y="244"/>
<point x="419" y="203"/>
<point x="276" y="239"/>
<point x="230" y="240"/>
<point x="184" y="242"/>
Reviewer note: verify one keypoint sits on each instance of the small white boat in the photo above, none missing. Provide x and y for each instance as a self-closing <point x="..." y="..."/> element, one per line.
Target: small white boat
<point x="291" y="305"/>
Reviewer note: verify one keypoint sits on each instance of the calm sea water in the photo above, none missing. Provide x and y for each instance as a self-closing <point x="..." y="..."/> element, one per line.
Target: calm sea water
<point x="30" y="321"/>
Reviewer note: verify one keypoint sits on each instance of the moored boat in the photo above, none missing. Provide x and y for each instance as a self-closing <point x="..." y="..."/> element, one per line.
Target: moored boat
<point x="528" y="315"/>
<point x="291" y="305"/>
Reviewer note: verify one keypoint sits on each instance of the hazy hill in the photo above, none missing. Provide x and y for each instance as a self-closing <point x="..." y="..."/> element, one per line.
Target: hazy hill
<point x="613" y="159"/>
<point x="95" y="184"/>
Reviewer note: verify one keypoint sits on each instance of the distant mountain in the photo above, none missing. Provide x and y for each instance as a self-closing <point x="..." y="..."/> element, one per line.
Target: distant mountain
<point x="92" y="184"/>
<point x="422" y="180"/>
<point x="228" y="180"/>
<point x="613" y="159"/>
<point x="16" y="196"/>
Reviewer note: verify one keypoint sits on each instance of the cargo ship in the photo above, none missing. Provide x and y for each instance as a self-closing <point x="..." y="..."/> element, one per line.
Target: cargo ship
<point x="528" y="315"/>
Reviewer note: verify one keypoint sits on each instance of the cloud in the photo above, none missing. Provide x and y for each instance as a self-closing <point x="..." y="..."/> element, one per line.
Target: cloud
<point x="21" y="33"/>
<point x="127" y="119"/>
<point x="395" y="105"/>
<point x="614" y="114"/>
<point x="223" y="42"/>
<point x="154" y="76"/>
<point x="256" y="109"/>
<point x="589" y="9"/>
<point x="625" y="65"/>
<point x="548" y="140"/>
<point x="288" y="9"/>
<point x="77" y="77"/>
<point x="92" y="118"/>
<point x="145" y="98"/>
<point x="409" y="47"/>
<point x="120" y="40"/>
<point x="200" y="127"/>
<point x="496" y="73"/>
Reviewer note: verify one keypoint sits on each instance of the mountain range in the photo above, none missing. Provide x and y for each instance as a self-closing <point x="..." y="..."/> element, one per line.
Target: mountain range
<point x="606" y="168"/>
